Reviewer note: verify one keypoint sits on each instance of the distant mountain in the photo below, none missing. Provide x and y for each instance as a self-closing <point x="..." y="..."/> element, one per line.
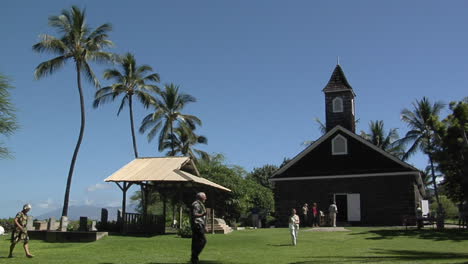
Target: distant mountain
<point x="92" y="212"/>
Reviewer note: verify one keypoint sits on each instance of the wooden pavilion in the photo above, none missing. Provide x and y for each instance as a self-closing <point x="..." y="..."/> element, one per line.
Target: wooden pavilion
<point x="164" y="175"/>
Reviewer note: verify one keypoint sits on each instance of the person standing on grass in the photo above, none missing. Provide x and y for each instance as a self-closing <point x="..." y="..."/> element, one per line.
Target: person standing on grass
<point x="305" y="213"/>
<point x="315" y="215"/>
<point x="333" y="210"/>
<point x="20" y="233"/>
<point x="294" y="226"/>
<point x="198" y="222"/>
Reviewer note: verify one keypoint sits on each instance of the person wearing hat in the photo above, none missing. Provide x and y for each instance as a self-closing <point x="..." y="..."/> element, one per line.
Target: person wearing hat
<point x="20" y="232"/>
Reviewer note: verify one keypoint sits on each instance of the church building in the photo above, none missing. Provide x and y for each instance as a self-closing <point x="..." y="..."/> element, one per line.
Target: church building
<point x="369" y="185"/>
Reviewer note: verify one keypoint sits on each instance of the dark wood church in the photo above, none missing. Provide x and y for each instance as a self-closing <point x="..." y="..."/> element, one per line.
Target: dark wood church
<point x="369" y="185"/>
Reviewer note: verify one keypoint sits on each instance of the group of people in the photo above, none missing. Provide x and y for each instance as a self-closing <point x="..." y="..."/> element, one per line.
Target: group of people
<point x="311" y="216"/>
<point x="295" y="221"/>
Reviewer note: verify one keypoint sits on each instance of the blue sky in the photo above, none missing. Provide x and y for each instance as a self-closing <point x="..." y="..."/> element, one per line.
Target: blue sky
<point x="257" y="69"/>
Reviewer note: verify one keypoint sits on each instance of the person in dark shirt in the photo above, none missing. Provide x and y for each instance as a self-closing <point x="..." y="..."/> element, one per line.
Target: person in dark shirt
<point x="198" y="222"/>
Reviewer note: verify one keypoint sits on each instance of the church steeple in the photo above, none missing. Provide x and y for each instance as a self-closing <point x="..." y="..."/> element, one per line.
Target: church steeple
<point x="339" y="101"/>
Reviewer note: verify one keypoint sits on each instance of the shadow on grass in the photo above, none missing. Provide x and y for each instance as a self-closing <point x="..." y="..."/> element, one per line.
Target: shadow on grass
<point x="436" y="235"/>
<point x="280" y="245"/>
<point x="391" y="255"/>
<point x="184" y="262"/>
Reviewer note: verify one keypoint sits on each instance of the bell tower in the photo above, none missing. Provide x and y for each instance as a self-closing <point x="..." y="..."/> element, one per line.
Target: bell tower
<point x="339" y="102"/>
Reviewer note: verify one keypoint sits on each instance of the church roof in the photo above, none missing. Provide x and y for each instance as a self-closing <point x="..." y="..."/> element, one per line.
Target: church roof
<point x="338" y="81"/>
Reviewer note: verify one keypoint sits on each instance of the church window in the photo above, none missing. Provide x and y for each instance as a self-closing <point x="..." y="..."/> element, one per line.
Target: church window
<point x="339" y="145"/>
<point x="337" y="105"/>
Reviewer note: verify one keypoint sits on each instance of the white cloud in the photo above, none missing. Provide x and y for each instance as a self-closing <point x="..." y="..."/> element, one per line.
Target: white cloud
<point x="48" y="204"/>
<point x="98" y="186"/>
<point x="114" y="203"/>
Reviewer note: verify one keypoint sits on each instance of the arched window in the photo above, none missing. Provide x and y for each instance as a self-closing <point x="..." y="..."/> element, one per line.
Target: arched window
<point x="339" y="145"/>
<point x="337" y="105"/>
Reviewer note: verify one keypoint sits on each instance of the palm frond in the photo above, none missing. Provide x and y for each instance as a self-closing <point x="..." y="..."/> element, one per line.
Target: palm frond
<point x="50" y="66"/>
<point x="89" y="74"/>
<point x="50" y="44"/>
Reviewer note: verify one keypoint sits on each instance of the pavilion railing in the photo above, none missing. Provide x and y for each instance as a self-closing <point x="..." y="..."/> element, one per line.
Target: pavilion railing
<point x="143" y="224"/>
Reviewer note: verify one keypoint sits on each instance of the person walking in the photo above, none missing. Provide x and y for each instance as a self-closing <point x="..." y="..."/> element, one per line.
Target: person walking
<point x="20" y="233"/>
<point x="294" y="226"/>
<point x="198" y="223"/>
<point x="333" y="210"/>
<point x="315" y="215"/>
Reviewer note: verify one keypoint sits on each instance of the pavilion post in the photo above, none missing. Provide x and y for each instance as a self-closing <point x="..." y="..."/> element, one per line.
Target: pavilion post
<point x="164" y="214"/>
<point x="212" y="213"/>
<point x="125" y="186"/>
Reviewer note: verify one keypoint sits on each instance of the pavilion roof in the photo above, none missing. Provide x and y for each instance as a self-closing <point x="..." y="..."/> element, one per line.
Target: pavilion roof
<point x="164" y="170"/>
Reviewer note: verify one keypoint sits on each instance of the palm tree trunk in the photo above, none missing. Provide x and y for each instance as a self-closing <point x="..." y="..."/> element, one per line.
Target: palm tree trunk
<point x="132" y="126"/>
<point x="172" y="140"/>
<point x="78" y="144"/>
<point x="436" y="193"/>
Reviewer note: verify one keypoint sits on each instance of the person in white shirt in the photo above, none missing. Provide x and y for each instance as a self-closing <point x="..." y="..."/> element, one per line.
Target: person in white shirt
<point x="294" y="226"/>
<point x="333" y="210"/>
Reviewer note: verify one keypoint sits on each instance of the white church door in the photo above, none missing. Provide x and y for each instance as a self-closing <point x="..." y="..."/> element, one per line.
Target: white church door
<point x="354" y="207"/>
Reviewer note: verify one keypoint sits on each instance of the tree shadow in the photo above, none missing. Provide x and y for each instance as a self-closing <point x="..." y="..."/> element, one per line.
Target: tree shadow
<point x="279" y="245"/>
<point x="391" y="255"/>
<point x="183" y="262"/>
<point x="436" y="235"/>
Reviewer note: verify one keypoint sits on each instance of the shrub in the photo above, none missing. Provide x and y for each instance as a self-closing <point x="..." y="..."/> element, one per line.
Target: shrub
<point x="7" y="224"/>
<point x="185" y="230"/>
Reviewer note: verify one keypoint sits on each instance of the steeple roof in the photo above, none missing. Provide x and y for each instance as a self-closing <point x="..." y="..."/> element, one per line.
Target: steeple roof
<point x="338" y="81"/>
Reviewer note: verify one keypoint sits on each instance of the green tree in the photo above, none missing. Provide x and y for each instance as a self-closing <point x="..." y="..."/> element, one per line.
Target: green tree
<point x="422" y="122"/>
<point x="246" y="194"/>
<point x="167" y="113"/>
<point x="77" y="42"/>
<point x="185" y="140"/>
<point x="262" y="175"/>
<point x="8" y="123"/>
<point x="452" y="152"/>
<point x="390" y="142"/>
<point x="130" y="80"/>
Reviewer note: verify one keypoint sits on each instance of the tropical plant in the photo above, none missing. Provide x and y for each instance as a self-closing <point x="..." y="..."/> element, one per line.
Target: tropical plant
<point x="245" y="193"/>
<point x="131" y="79"/>
<point x="185" y="140"/>
<point x="262" y="175"/>
<point x="8" y="122"/>
<point x="77" y="42"/>
<point x="386" y="141"/>
<point x="452" y="151"/>
<point x="167" y="114"/>
<point x="422" y="122"/>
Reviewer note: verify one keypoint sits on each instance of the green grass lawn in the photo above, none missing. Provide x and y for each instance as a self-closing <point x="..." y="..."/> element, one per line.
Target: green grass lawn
<point x="361" y="245"/>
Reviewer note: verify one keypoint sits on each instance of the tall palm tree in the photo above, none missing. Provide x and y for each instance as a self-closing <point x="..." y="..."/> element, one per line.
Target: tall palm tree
<point x="167" y="113"/>
<point x="185" y="139"/>
<point x="421" y="121"/>
<point x="77" y="42"/>
<point x="131" y="80"/>
<point x="389" y="142"/>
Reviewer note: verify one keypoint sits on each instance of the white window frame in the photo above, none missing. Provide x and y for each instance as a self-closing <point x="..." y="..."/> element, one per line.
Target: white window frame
<point x="352" y="106"/>
<point x="345" y="152"/>
<point x="334" y="106"/>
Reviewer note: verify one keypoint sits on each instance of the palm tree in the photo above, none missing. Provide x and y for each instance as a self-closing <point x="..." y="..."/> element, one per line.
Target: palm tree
<point x="8" y="122"/>
<point x="185" y="139"/>
<point x="389" y="142"/>
<point x="131" y="80"/>
<point x="79" y="43"/>
<point x="422" y="134"/>
<point x="167" y="112"/>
